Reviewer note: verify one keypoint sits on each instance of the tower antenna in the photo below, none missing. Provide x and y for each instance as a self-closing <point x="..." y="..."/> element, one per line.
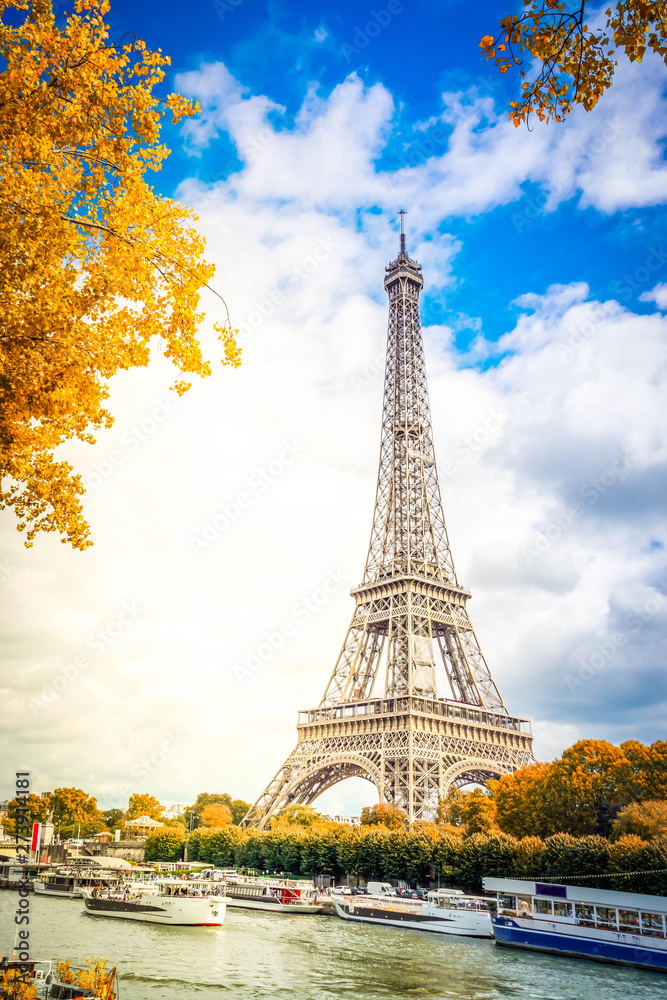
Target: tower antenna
<point x="402" y="214"/>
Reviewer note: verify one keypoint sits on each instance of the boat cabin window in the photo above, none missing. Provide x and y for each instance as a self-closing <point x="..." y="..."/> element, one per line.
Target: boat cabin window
<point x="584" y="914"/>
<point x="562" y="909"/>
<point x="543" y="906"/>
<point x="605" y="916"/>
<point x="652" y="924"/>
<point x="507" y="906"/>
<point x="629" y="920"/>
<point x="524" y="905"/>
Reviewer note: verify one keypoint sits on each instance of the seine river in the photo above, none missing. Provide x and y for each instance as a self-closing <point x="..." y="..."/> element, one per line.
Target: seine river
<point x="257" y="955"/>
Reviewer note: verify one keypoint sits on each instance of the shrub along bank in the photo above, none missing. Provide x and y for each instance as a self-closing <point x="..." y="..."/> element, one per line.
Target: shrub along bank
<point x="418" y="855"/>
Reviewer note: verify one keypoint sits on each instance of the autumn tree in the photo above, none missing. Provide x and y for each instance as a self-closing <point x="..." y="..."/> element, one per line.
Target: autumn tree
<point x="33" y="806"/>
<point x="384" y="814"/>
<point x="519" y="800"/>
<point x="237" y="807"/>
<point x="581" y="792"/>
<point x="297" y="815"/>
<point x="478" y="811"/>
<point x="143" y="804"/>
<point x="644" y="819"/>
<point x="576" y="59"/>
<point x="646" y="770"/>
<point x="72" y="808"/>
<point x="93" y="263"/>
<point x="215" y="815"/>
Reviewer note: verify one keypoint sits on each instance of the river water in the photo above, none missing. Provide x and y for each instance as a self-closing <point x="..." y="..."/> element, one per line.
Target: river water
<point x="256" y="955"/>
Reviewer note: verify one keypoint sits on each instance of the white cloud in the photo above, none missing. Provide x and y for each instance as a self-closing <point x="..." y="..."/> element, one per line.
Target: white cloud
<point x="300" y="257"/>
<point x="657" y="295"/>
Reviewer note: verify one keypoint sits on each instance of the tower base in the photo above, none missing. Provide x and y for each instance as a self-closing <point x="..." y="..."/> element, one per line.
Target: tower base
<point x="412" y="749"/>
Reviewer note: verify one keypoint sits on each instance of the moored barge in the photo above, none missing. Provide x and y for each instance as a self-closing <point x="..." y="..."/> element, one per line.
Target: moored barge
<point x="603" y="925"/>
<point x="443" y="912"/>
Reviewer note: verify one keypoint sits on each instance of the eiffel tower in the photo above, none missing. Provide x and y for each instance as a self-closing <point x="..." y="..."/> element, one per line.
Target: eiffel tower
<point x="381" y="717"/>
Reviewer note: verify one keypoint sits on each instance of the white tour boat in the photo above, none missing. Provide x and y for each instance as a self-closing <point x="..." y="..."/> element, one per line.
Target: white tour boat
<point x="445" y="911"/>
<point x="70" y="882"/>
<point x="170" y="901"/>
<point x="627" y="928"/>
<point x="276" y="895"/>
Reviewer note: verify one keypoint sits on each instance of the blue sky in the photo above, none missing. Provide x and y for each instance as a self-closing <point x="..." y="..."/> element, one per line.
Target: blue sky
<point x="545" y="338"/>
<point x="277" y="49"/>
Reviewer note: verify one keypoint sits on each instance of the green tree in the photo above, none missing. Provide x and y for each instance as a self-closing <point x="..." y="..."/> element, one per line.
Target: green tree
<point x="528" y="858"/>
<point x="164" y="845"/>
<point x="114" y="818"/>
<point x="446" y="850"/>
<point x="221" y="846"/>
<point x="319" y="851"/>
<point x="419" y="850"/>
<point x="480" y="855"/>
<point x="249" y="851"/>
<point x="575" y="61"/>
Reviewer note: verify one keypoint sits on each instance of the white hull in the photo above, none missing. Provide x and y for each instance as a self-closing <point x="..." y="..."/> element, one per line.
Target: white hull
<point x="421" y="917"/>
<point x="273" y="905"/>
<point x="74" y="893"/>
<point x="188" y="911"/>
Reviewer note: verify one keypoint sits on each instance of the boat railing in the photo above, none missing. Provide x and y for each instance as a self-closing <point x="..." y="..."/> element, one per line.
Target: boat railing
<point x="613" y="919"/>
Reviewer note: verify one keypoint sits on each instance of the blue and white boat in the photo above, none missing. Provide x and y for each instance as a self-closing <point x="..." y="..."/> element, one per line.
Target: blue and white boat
<point x="627" y="928"/>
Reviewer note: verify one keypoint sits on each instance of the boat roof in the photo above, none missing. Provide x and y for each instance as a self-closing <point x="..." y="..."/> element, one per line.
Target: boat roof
<point x="576" y="893"/>
<point x="14" y="959"/>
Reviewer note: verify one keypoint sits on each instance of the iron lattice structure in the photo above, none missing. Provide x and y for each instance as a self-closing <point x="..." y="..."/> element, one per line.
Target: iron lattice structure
<point x="380" y="717"/>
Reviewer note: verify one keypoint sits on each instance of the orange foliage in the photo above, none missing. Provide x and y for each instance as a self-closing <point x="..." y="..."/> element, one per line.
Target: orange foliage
<point x="93" y="264"/>
<point x="577" y="64"/>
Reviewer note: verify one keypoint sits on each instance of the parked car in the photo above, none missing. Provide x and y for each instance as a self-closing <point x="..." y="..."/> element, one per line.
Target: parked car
<point x="342" y="890"/>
